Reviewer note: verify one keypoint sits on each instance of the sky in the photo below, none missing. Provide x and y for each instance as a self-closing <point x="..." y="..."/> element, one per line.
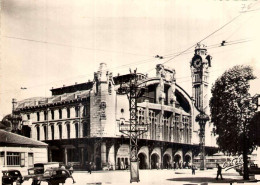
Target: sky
<point x="51" y="43"/>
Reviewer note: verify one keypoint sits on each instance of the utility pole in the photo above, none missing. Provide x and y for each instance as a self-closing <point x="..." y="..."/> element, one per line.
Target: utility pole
<point x="133" y="129"/>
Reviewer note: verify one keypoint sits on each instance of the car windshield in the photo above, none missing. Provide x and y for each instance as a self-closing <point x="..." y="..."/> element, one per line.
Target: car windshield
<point x="14" y="173"/>
<point x="47" y="172"/>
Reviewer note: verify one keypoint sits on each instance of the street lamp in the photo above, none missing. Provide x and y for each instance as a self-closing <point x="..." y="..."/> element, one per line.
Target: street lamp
<point x="202" y="118"/>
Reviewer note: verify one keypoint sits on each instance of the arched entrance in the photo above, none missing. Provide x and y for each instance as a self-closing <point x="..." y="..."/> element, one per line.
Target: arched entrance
<point x="154" y="161"/>
<point x="177" y="160"/>
<point x="98" y="163"/>
<point x="166" y="161"/>
<point x="142" y="159"/>
<point x="187" y="160"/>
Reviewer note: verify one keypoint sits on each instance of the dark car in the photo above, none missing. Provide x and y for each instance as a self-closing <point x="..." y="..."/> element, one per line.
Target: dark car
<point x="11" y="176"/>
<point x="252" y="169"/>
<point x="54" y="176"/>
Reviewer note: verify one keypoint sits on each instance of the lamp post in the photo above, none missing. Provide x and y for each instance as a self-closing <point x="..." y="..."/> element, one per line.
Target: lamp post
<point x="133" y="130"/>
<point x="202" y="118"/>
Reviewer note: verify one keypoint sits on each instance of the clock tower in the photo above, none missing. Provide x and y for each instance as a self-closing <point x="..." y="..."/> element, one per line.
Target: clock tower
<point x="200" y="64"/>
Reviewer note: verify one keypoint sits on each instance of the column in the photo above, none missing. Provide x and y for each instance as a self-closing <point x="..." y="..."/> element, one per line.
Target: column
<point x="33" y="132"/>
<point x="50" y="154"/>
<point x="80" y="124"/>
<point x="82" y="161"/>
<point x="103" y="154"/>
<point x="64" y="131"/>
<point x="56" y="131"/>
<point x="65" y="156"/>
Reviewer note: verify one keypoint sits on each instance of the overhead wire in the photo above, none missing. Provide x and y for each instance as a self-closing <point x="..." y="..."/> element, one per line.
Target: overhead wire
<point x="67" y="45"/>
<point x="130" y="64"/>
<point x="241" y="13"/>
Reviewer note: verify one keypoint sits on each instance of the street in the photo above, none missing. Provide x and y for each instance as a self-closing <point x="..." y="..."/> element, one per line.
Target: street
<point x="180" y="176"/>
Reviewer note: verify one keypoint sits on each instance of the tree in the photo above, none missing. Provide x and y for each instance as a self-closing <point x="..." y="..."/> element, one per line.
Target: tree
<point x="232" y="111"/>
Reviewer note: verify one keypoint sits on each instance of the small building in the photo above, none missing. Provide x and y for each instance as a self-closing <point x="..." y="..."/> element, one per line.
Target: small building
<point x="20" y="152"/>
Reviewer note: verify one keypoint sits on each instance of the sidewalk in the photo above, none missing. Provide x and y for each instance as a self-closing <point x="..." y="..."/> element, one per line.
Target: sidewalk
<point x="182" y="177"/>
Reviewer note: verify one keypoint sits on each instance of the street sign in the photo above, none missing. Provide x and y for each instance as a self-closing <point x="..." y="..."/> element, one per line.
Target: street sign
<point x="126" y="127"/>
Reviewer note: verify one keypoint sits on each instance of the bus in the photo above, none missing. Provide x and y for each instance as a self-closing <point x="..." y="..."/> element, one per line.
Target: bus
<point x="212" y="161"/>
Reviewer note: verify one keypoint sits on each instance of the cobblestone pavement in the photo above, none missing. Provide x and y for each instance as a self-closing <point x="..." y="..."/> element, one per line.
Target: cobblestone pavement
<point x="181" y="176"/>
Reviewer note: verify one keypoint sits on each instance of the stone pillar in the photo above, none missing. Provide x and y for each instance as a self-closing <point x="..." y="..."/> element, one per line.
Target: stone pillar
<point x="82" y="161"/>
<point x="65" y="156"/>
<point x="80" y="124"/>
<point x="64" y="131"/>
<point x="50" y="154"/>
<point x="103" y="154"/>
<point x="56" y="131"/>
<point x="41" y="132"/>
<point x="33" y="132"/>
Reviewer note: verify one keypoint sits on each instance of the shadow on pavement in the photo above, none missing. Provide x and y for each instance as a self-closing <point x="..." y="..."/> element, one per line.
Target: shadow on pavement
<point x="202" y="179"/>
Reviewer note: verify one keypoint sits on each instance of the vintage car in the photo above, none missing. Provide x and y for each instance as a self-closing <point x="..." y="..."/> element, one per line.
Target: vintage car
<point x="11" y="176"/>
<point x="53" y="176"/>
<point x="252" y="169"/>
<point x="39" y="169"/>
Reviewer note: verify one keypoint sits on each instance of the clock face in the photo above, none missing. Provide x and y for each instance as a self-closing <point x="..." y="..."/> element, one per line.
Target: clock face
<point x="197" y="63"/>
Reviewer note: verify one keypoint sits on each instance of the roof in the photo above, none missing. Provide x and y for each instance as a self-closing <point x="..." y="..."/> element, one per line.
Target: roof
<point x="53" y="100"/>
<point x="11" y="139"/>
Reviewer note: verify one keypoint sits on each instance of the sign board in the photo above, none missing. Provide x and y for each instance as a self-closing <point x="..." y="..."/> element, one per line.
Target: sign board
<point x="134" y="171"/>
<point x="126" y="127"/>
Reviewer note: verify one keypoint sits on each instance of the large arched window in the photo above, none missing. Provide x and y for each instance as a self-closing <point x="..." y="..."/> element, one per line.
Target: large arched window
<point x="76" y="111"/>
<point x="60" y="131"/>
<point x="38" y="132"/>
<point x="45" y="132"/>
<point x="52" y="132"/>
<point x="68" y="112"/>
<point x="68" y="131"/>
<point x="60" y="114"/>
<point x="76" y="130"/>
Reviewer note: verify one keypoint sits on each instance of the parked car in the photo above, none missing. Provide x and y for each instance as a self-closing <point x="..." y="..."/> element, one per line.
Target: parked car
<point x="11" y="176"/>
<point x="53" y="176"/>
<point x="252" y="169"/>
<point x="39" y="169"/>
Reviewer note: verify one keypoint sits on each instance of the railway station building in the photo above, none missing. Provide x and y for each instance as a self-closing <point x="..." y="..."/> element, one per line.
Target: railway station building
<point x="81" y="122"/>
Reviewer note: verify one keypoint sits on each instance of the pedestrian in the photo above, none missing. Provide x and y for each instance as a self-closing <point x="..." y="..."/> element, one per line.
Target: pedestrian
<point x="157" y="165"/>
<point x="71" y="169"/>
<point x="89" y="167"/>
<point x="219" y="172"/>
<point x="193" y="168"/>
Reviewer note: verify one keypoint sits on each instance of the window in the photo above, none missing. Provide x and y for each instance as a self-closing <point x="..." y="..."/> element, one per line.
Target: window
<point x="45" y="115"/>
<point x="28" y="116"/>
<point x="68" y="112"/>
<point x="60" y="131"/>
<point x="77" y="129"/>
<point x="68" y="131"/>
<point x="38" y="132"/>
<point x="15" y="159"/>
<point x="45" y="132"/>
<point x="52" y="132"/>
<point x="30" y="159"/>
<point x="2" y="158"/>
<point x="60" y="114"/>
<point x="77" y="111"/>
<point x="38" y="116"/>
<point x="52" y="114"/>
<point x="85" y="110"/>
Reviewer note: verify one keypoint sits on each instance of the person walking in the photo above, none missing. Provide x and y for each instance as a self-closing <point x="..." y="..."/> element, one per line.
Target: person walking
<point x="89" y="166"/>
<point x="219" y="172"/>
<point x="193" y="168"/>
